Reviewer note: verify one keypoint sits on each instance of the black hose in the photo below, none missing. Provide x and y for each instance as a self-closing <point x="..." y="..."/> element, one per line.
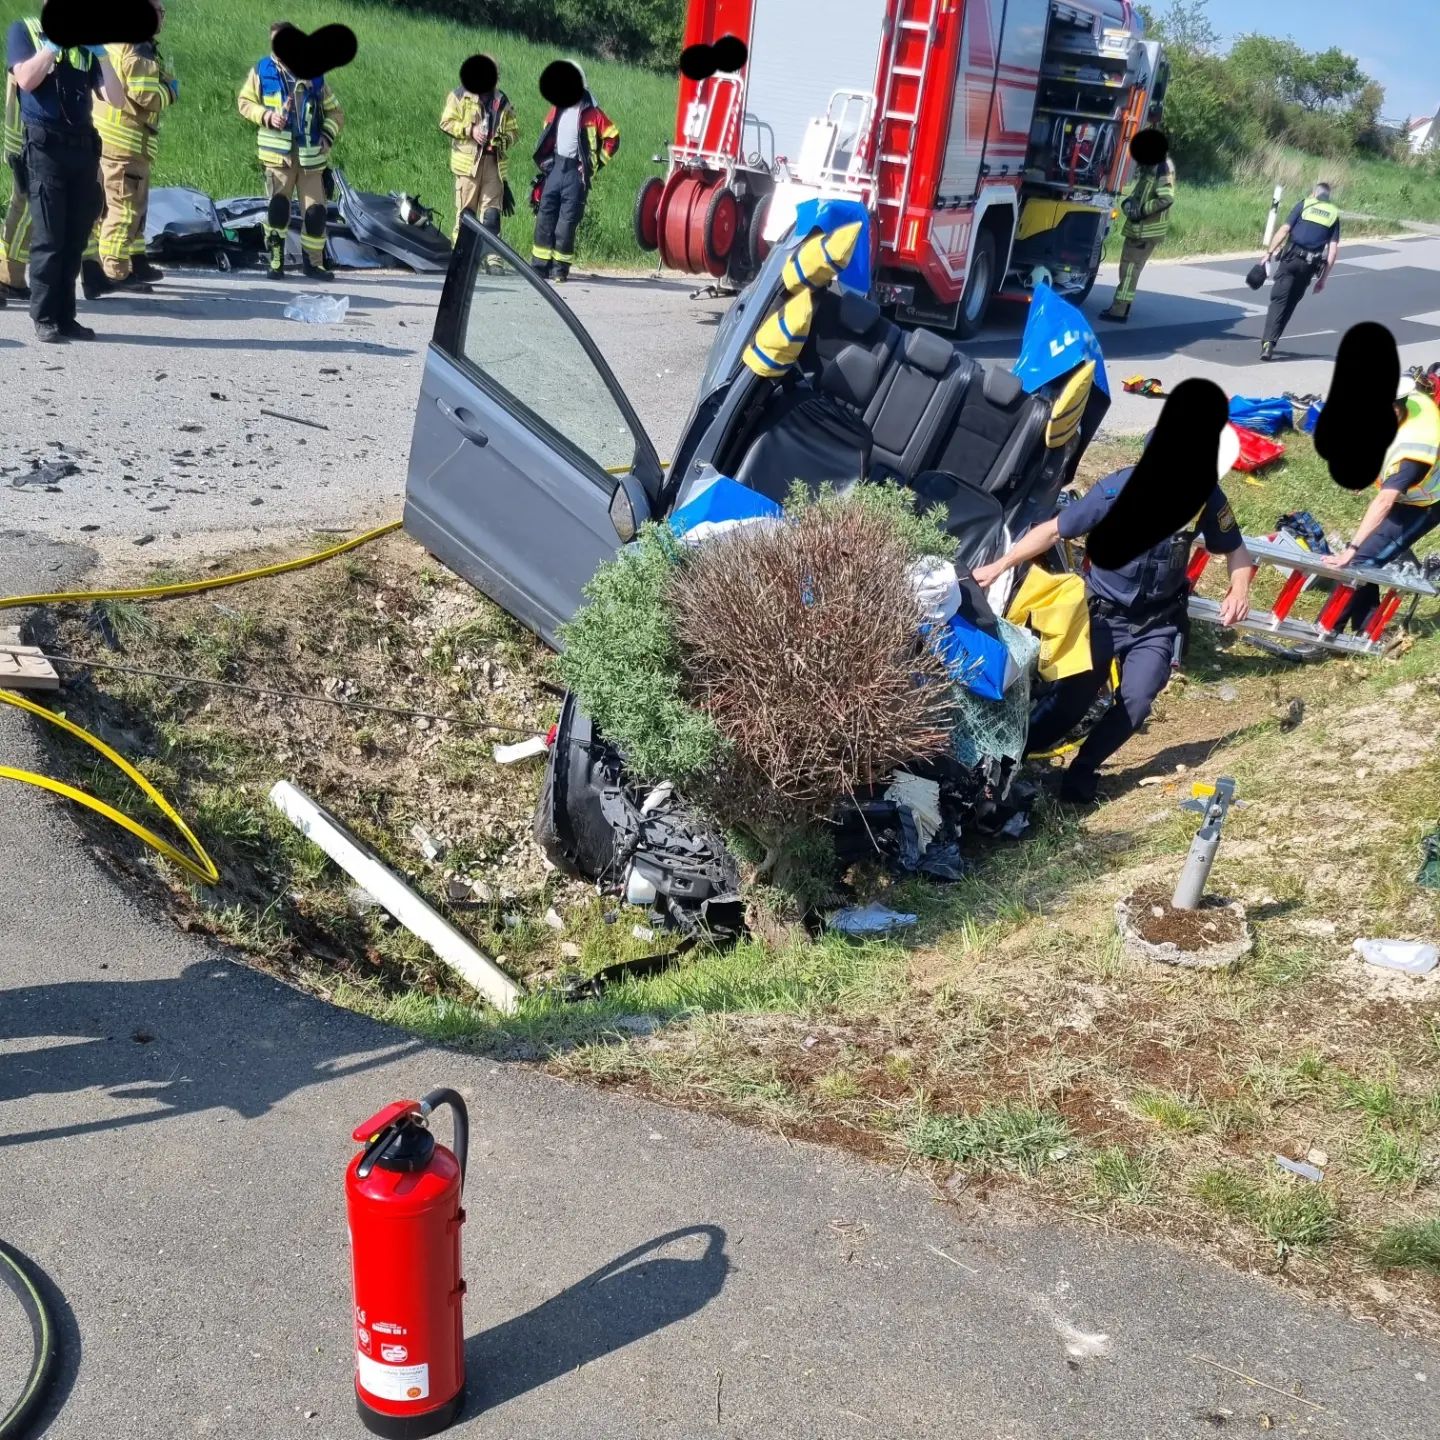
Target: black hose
<point x="445" y="1096"/>
<point x="16" y="1274"/>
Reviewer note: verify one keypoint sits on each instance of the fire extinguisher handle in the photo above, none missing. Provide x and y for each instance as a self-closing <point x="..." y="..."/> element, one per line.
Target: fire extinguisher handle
<point x="446" y="1096"/>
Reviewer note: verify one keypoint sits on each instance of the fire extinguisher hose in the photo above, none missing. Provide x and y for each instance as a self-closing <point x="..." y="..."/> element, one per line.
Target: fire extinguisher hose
<point x="446" y="1096"/>
<point x="17" y="1277"/>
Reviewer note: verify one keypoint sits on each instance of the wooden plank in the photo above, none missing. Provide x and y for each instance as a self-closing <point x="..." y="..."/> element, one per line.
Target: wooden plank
<point x="411" y="910"/>
<point x="24" y="667"/>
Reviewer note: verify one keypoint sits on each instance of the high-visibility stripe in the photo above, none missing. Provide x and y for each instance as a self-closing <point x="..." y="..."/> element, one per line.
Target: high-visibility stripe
<point x="541" y="252"/>
<point x="1418" y="439"/>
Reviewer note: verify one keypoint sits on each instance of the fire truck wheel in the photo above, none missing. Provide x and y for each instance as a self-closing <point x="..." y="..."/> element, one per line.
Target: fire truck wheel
<point x="1083" y="294"/>
<point x="717" y="236"/>
<point x="979" y="287"/>
<point x="756" y="245"/>
<point x="647" y="213"/>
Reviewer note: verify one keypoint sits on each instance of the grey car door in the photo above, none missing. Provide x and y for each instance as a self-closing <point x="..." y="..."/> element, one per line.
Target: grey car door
<point x="520" y="433"/>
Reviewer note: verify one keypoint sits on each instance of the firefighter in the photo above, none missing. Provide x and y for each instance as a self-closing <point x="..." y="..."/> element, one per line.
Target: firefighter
<point x="297" y="122"/>
<point x="1137" y="616"/>
<point x="61" y="157"/>
<point x="1304" y="249"/>
<point x="1147" y="221"/>
<point x="127" y="151"/>
<point x="482" y="128"/>
<point x="15" y="229"/>
<point x="1408" y="505"/>
<point x="577" y="142"/>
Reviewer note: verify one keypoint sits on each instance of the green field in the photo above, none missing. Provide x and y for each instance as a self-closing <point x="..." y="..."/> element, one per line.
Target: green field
<point x="393" y="92"/>
<point x="392" y="95"/>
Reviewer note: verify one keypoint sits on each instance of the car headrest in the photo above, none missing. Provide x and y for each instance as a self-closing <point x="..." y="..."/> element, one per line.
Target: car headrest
<point x="928" y="352"/>
<point x="852" y="373"/>
<point x="856" y="314"/>
<point x="1001" y="387"/>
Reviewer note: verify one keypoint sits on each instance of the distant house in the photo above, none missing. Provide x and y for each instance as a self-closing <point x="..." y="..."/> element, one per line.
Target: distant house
<point x="1423" y="134"/>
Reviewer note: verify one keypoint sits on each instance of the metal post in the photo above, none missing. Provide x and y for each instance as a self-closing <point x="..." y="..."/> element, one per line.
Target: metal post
<point x="1191" y="889"/>
<point x="1273" y="216"/>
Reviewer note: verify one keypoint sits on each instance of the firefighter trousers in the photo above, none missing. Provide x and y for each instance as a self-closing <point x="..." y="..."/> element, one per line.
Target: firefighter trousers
<point x="126" y="182"/>
<point x="1390" y="542"/>
<point x="15" y="239"/>
<point x="287" y="180"/>
<point x="1133" y="257"/>
<point x="562" y="207"/>
<point x="1292" y="279"/>
<point x="482" y="194"/>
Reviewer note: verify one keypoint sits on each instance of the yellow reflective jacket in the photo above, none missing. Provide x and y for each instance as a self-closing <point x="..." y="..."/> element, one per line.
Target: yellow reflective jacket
<point x="310" y="110"/>
<point x="462" y="110"/>
<point x="1417" y="439"/>
<point x="129" y="129"/>
<point x="1151" y="199"/>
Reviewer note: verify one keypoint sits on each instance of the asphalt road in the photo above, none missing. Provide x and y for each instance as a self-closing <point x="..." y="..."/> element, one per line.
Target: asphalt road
<point x="174" y="1126"/>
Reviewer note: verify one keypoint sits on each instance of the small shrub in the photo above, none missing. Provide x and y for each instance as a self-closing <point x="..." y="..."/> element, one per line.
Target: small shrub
<point x="622" y="659"/>
<point x="1292" y="1215"/>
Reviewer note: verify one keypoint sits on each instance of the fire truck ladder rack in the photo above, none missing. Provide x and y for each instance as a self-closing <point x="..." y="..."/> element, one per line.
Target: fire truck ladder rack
<point x="896" y="132"/>
<point x="1303" y="567"/>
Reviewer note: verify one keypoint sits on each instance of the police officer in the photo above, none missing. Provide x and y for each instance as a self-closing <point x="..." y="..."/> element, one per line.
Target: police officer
<point x="1304" y="249"/>
<point x="1137" y="616"/>
<point x="1408" y="505"/>
<point x="62" y="165"/>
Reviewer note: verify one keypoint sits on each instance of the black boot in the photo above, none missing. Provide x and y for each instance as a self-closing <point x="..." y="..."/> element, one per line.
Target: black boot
<point x="275" y="268"/>
<point x="144" y="272"/>
<point x="93" y="281"/>
<point x="317" y="270"/>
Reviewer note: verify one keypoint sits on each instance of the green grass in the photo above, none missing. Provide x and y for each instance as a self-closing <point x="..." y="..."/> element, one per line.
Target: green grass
<point x="1391" y="1160"/>
<point x="1021" y="1137"/>
<point x="1292" y="1215"/>
<point x="392" y="95"/>
<point x="1121" y="1175"/>
<point x="1170" y="1112"/>
<point x="1415" y="1245"/>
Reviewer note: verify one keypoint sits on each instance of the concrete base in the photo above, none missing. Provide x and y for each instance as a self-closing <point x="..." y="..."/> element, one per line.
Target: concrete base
<point x="1214" y="957"/>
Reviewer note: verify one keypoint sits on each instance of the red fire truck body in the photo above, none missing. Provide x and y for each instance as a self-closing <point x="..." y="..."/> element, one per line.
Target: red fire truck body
<point x="988" y="139"/>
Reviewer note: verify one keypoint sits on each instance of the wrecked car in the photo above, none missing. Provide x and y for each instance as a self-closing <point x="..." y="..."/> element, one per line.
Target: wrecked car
<point x="529" y="468"/>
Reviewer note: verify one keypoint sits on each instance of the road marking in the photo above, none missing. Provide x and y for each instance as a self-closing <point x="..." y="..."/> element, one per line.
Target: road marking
<point x="1430" y="317"/>
<point x="1309" y="334"/>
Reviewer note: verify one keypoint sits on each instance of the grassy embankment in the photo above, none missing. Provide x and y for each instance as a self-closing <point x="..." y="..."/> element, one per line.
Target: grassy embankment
<point x="1007" y="1038"/>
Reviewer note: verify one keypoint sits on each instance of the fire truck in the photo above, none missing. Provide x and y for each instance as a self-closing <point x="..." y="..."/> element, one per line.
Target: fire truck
<point x="988" y="139"/>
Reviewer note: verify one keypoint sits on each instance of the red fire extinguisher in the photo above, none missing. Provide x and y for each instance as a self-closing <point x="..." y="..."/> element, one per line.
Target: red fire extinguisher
<point x="402" y="1199"/>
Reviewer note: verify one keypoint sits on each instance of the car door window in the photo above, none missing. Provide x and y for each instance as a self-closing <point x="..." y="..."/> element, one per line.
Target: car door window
<point x="521" y="347"/>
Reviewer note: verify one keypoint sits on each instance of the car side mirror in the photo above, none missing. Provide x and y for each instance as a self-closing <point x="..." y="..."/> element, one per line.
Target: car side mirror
<point x="629" y="508"/>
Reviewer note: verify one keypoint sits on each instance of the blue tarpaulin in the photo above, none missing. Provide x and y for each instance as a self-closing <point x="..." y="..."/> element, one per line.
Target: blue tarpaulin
<point x="1269" y="416"/>
<point x="720" y="506"/>
<point x="829" y="216"/>
<point x="1057" y="338"/>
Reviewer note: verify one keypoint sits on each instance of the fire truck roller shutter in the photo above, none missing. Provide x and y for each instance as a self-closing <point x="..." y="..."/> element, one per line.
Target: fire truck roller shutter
<point x="794" y="67"/>
<point x="994" y="100"/>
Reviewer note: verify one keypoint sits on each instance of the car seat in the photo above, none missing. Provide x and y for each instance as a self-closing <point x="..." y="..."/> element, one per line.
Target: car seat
<point x="916" y="404"/>
<point x="977" y="520"/>
<point x="996" y="435"/>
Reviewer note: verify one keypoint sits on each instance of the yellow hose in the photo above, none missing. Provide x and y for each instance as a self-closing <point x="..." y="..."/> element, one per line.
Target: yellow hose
<point x="198" y="863"/>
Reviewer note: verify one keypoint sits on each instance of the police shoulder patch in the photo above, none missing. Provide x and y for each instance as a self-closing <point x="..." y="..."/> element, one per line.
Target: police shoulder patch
<point x="1225" y="517"/>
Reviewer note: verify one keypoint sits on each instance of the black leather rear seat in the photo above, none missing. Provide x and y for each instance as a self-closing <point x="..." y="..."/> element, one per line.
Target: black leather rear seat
<point x="996" y="434"/>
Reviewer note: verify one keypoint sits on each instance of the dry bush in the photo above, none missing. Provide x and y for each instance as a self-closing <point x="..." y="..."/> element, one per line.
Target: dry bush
<point x="799" y="643"/>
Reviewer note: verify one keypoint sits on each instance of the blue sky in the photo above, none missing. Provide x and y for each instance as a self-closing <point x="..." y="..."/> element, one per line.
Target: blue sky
<point x="1396" y="42"/>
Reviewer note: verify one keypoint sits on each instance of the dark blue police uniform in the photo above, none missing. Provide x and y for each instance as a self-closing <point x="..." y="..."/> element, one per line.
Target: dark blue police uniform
<point x="61" y="160"/>
<point x="1137" y="615"/>
<point x="1312" y="232"/>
